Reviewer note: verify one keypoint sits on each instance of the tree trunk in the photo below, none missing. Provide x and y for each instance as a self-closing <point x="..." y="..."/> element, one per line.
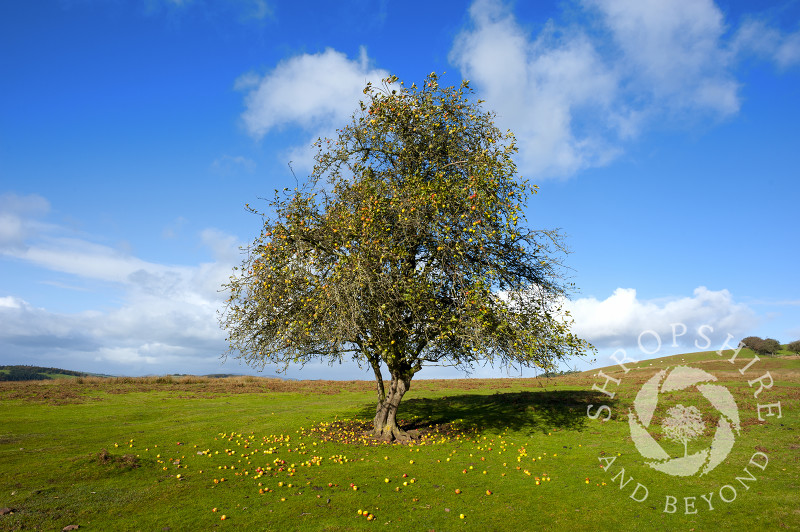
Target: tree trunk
<point x="386" y="413"/>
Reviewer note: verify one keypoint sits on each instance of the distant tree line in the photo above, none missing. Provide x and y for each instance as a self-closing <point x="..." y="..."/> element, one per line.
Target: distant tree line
<point x="33" y="373"/>
<point x="553" y="373"/>
<point x="769" y="346"/>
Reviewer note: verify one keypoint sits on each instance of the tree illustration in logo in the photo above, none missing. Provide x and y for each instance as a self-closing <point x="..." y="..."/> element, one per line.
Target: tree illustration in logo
<point x="683" y="424"/>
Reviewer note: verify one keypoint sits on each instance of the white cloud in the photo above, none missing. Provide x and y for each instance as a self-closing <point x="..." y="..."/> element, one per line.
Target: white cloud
<point x="788" y="53"/>
<point x="86" y="259"/>
<point x="317" y="92"/>
<point x="620" y="319"/>
<point x="574" y="93"/>
<point x="166" y="319"/>
<point x="674" y="50"/>
<point x="224" y="246"/>
<point x="174" y="334"/>
<point x="537" y="87"/>
<point x="308" y="89"/>
<point x="24" y="326"/>
<point x="757" y="37"/>
<point x="10" y="302"/>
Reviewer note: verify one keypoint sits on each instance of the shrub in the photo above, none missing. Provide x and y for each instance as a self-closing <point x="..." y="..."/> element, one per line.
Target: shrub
<point x="753" y="342"/>
<point x="770" y="346"/>
<point x="762" y="346"/>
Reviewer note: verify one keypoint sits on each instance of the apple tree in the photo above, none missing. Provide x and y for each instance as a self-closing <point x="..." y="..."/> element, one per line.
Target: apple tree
<point x="406" y="247"/>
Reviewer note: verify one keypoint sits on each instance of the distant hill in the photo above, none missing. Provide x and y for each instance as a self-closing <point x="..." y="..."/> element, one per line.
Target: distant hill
<point x="700" y="357"/>
<point x="36" y="373"/>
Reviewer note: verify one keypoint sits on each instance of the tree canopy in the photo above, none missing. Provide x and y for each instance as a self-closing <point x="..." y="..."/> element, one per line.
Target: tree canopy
<point x="762" y="346"/>
<point x="406" y="247"/>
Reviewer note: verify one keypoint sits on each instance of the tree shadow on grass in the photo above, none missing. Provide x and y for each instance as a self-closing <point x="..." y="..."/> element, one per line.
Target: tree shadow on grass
<point x="525" y="411"/>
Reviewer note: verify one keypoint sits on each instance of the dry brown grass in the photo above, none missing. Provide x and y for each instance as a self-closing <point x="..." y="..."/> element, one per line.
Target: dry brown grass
<point x="126" y="461"/>
<point x="82" y="389"/>
<point x="64" y="391"/>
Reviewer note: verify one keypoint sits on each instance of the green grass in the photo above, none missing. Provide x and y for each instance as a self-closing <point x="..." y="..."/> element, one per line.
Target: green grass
<point x="54" y="472"/>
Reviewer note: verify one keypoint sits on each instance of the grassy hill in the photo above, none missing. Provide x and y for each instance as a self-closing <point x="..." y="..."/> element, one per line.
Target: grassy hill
<point x="38" y="373"/>
<point x="35" y="373"/>
<point x="495" y="454"/>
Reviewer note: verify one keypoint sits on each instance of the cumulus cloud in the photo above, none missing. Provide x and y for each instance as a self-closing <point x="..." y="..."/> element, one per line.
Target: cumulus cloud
<point x="622" y="320"/>
<point x="10" y="302"/>
<point x="574" y="93"/>
<point x="317" y="92"/>
<point x="307" y="89"/>
<point x="537" y="85"/>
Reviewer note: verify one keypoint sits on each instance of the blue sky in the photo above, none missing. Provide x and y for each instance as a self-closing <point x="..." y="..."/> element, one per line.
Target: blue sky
<point x="663" y="137"/>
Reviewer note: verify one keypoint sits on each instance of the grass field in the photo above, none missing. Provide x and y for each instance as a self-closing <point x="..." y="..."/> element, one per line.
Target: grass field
<point x="509" y="454"/>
